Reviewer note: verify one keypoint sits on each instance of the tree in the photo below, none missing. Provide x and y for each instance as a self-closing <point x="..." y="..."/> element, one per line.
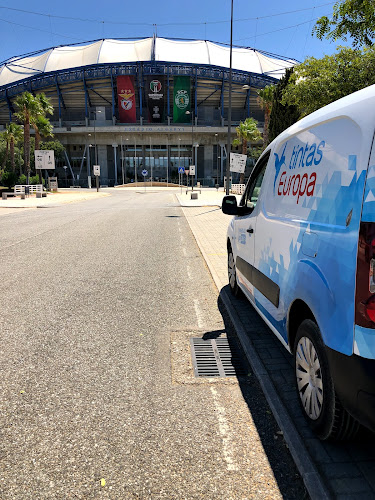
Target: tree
<point x="266" y="98"/>
<point x="283" y="114"/>
<point x="12" y="135"/>
<point x="28" y="107"/>
<point x="353" y="18"/>
<point x="40" y="122"/>
<point x="247" y="131"/>
<point x="318" y="82"/>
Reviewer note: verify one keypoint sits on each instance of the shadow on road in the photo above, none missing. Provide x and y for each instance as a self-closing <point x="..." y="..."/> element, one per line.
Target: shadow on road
<point x="286" y="474"/>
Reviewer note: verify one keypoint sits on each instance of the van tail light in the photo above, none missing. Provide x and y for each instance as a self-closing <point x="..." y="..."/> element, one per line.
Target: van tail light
<point x="365" y="279"/>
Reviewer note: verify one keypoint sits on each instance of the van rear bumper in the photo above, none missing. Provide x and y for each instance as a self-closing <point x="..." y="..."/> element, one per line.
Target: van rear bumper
<point x="354" y="379"/>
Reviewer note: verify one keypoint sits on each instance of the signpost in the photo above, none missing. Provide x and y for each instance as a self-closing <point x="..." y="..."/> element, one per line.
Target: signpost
<point x="44" y="160"/>
<point x="238" y="163"/>
<point x="181" y="171"/>
<point x="97" y="175"/>
<point x="192" y="173"/>
<point x="144" y="173"/>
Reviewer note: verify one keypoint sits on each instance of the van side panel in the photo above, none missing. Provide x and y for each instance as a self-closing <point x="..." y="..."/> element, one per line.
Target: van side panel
<point x="306" y="234"/>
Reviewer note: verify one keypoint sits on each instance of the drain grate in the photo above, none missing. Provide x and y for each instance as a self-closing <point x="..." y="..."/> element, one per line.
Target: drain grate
<point x="215" y="358"/>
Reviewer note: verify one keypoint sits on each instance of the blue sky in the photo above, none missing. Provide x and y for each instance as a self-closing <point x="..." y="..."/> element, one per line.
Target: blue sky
<point x="278" y="27"/>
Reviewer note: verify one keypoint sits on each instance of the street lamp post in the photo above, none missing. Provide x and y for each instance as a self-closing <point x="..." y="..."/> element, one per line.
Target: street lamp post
<point x="229" y="102"/>
<point x="96" y="147"/>
<point x="192" y="143"/>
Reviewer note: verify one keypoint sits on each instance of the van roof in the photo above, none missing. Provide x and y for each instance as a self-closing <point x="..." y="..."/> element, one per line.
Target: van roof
<point x="354" y="106"/>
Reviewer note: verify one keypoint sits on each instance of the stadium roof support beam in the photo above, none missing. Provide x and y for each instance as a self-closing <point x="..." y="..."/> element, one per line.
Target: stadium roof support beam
<point x="10" y="106"/>
<point x="210" y="95"/>
<point x="87" y="99"/>
<point x="196" y="96"/>
<point x="140" y="90"/>
<point x="222" y="99"/>
<point x="101" y="97"/>
<point x="113" y="99"/>
<point x="60" y="99"/>
<point x="168" y="103"/>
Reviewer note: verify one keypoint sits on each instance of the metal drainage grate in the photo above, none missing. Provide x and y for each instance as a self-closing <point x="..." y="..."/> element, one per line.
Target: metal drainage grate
<point x="215" y="358"/>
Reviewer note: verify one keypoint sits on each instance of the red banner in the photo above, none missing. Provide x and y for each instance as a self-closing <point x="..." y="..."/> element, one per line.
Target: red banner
<point x="126" y="99"/>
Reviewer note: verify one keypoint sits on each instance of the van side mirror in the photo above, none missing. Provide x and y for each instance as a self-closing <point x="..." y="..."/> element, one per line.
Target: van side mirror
<point x="229" y="205"/>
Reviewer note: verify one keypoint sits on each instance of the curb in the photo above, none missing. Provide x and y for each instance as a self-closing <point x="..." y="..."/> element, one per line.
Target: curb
<point x="310" y="476"/>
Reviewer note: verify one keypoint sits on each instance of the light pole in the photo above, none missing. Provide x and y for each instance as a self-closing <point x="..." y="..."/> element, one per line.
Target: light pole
<point x="229" y="142"/>
<point x="217" y="159"/>
<point x="192" y="142"/>
<point x="96" y="148"/>
<point x="66" y="177"/>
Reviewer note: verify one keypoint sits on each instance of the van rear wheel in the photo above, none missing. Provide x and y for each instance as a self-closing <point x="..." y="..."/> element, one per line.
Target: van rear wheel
<point x="316" y="392"/>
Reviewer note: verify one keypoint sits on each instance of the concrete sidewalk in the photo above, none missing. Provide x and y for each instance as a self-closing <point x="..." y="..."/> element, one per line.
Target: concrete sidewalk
<point x="62" y="196"/>
<point x="329" y="470"/>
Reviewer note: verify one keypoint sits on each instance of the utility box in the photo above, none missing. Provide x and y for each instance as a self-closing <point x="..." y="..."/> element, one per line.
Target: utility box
<point x="52" y="183"/>
<point x="193" y="196"/>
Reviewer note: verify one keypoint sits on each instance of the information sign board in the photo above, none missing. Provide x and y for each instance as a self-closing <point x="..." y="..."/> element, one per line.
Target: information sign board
<point x="96" y="169"/>
<point x="237" y="163"/>
<point x="44" y="159"/>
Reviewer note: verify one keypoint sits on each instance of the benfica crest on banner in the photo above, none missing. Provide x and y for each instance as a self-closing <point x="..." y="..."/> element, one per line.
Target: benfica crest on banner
<point x="126" y="99"/>
<point x="155" y="98"/>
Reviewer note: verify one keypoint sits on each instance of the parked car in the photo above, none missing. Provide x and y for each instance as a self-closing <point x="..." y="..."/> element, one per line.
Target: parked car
<point x="301" y="247"/>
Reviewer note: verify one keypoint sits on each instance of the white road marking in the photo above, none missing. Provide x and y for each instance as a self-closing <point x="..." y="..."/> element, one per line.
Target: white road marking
<point x="189" y="273"/>
<point x="224" y="430"/>
<point x="198" y="313"/>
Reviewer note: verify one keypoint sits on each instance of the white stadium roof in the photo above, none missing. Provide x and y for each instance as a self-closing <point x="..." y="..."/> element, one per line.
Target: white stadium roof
<point x="199" y="52"/>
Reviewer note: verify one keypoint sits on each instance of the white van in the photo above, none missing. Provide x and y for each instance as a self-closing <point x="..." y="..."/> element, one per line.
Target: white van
<point x="301" y="247"/>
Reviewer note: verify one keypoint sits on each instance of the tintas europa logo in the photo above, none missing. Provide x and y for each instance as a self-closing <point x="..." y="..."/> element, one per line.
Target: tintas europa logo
<point x="182" y="99"/>
<point x="298" y="179"/>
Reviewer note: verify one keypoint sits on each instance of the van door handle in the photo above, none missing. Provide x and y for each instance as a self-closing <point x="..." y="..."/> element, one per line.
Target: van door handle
<point x="250" y="230"/>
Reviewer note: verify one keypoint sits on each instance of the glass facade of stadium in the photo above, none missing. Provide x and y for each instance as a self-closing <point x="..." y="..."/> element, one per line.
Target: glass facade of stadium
<point x="125" y="130"/>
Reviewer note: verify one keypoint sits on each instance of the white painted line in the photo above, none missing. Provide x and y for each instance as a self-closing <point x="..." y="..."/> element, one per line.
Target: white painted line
<point x="225" y="433"/>
<point x="189" y="273"/>
<point x="198" y="313"/>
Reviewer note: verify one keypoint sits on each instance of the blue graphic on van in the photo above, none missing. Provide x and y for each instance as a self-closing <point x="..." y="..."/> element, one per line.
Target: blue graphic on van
<point x="368" y="212"/>
<point x="364" y="344"/>
<point x="279" y="162"/>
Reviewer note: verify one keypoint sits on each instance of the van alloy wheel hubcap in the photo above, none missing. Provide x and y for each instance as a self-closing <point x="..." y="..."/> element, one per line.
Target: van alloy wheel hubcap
<point x="231" y="270"/>
<point x="309" y="378"/>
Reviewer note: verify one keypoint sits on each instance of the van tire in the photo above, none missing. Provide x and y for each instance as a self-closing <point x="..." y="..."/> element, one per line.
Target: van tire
<point x="327" y="417"/>
<point x="232" y="274"/>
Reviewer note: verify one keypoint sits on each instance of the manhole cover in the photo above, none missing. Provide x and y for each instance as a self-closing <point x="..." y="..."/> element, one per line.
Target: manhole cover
<point x="215" y="358"/>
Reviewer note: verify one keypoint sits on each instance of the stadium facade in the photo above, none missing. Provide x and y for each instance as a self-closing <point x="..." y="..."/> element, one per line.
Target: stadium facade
<point x="153" y="103"/>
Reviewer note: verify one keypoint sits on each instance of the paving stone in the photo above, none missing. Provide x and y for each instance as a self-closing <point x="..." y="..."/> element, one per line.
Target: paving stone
<point x="317" y="451"/>
<point x="342" y="470"/>
<point x="351" y="486"/>
<point x="368" y="470"/>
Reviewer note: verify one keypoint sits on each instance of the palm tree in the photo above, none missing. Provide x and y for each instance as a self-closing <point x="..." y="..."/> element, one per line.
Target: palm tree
<point x="43" y="128"/>
<point x="28" y="107"/>
<point x="266" y="98"/>
<point x="247" y="131"/>
<point x="12" y="134"/>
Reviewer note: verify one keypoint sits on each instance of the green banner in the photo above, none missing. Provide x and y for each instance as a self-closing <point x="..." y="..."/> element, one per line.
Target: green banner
<point x="181" y="99"/>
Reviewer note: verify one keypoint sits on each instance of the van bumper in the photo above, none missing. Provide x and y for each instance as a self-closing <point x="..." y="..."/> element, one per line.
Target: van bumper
<point x="354" y="379"/>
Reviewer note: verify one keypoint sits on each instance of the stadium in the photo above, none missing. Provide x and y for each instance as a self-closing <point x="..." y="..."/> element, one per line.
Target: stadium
<point x="143" y="104"/>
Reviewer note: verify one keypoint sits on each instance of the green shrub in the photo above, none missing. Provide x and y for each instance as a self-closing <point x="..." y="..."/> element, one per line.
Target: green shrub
<point x="9" y="179"/>
<point x="34" y="179"/>
<point x="22" y="179"/>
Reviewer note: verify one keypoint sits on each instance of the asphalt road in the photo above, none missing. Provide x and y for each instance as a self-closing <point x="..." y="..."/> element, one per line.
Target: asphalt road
<point x="98" y="302"/>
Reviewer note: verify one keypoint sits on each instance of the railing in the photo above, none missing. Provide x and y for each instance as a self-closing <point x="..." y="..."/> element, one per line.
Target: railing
<point x="33" y="188"/>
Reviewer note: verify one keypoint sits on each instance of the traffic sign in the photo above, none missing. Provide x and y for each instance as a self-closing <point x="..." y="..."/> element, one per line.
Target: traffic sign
<point x="181" y="170"/>
<point x="44" y="159"/>
<point x="96" y="169"/>
<point x="192" y="169"/>
<point x="144" y="173"/>
<point x="237" y="163"/>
